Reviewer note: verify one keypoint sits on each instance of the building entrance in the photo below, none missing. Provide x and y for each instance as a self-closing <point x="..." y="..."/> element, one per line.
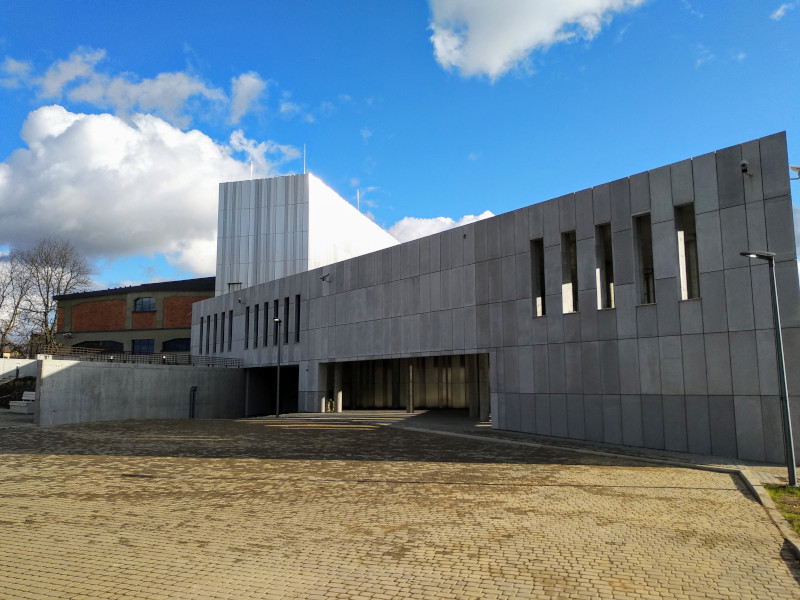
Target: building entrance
<point x="261" y="390"/>
<point x="452" y="381"/>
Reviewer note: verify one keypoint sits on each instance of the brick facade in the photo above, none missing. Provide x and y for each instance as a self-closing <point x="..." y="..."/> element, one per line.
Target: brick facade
<point x="144" y="320"/>
<point x="178" y="310"/>
<point x="100" y="315"/>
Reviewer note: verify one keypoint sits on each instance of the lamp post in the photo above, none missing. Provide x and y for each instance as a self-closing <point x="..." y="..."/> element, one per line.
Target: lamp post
<point x="788" y="442"/>
<point x="278" y="392"/>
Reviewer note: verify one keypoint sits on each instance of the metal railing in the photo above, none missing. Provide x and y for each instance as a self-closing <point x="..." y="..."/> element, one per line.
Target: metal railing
<point x="163" y="358"/>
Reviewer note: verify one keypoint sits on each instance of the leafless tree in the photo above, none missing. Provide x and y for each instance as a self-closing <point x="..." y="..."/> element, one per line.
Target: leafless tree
<point x="15" y="284"/>
<point x="54" y="267"/>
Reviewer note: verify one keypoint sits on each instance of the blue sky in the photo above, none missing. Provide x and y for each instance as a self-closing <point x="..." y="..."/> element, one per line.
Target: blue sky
<point x="119" y="118"/>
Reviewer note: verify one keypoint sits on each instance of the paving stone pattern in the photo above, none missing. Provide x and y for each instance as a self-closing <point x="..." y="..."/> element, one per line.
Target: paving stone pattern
<point x="322" y="508"/>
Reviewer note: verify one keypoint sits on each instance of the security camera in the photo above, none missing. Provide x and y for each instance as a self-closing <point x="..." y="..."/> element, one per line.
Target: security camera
<point x="796" y="169"/>
<point x="325" y="277"/>
<point x="745" y="166"/>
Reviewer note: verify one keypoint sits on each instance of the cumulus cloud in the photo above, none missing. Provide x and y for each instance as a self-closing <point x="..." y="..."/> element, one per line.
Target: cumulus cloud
<point x="176" y="97"/>
<point x="119" y="187"/>
<point x="165" y="95"/>
<point x="781" y="11"/>
<point x="490" y="38"/>
<point x="246" y="90"/>
<point x="411" y="228"/>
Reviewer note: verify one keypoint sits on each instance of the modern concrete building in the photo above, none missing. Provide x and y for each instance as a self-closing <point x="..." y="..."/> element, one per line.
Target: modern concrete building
<point x="623" y="313"/>
<point x="142" y="319"/>
<point x="272" y="228"/>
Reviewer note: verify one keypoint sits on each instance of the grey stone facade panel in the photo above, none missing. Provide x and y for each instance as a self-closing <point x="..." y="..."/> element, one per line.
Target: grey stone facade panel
<point x="694" y="375"/>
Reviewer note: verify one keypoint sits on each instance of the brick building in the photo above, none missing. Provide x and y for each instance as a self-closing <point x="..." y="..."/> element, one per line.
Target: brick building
<point x="154" y="317"/>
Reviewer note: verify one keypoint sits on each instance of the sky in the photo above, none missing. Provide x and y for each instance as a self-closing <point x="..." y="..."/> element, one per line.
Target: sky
<point x="118" y="120"/>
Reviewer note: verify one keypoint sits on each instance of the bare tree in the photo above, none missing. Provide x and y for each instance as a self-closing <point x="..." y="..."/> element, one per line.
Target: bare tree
<point x="54" y="267"/>
<point x="15" y="284"/>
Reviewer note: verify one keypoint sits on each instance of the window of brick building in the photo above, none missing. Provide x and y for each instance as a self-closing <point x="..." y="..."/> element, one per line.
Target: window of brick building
<point x="147" y="304"/>
<point x="143" y="346"/>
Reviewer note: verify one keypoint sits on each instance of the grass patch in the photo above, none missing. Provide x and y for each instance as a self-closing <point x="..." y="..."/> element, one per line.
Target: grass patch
<point x="788" y="502"/>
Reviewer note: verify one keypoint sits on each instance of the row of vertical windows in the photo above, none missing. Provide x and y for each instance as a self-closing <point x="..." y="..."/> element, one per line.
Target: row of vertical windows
<point x="209" y="337"/>
<point x="689" y="274"/>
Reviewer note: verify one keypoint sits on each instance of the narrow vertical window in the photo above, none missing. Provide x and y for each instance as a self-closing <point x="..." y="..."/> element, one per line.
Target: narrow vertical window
<point x="687" y="251"/>
<point x="297" y="318"/>
<point x="247" y="327"/>
<point x="604" y="271"/>
<point x="255" y="326"/>
<point x="644" y="259"/>
<point x="215" y="334"/>
<point x="286" y="320"/>
<point x="200" y="348"/>
<point x="274" y="323"/>
<point x="222" y="332"/>
<point x="208" y="332"/>
<point x="266" y="323"/>
<point x="230" y="330"/>
<point x="537" y="278"/>
<point x="569" y="272"/>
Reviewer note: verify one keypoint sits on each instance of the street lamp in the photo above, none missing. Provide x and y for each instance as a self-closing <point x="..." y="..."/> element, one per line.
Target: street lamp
<point x="788" y="442"/>
<point x="278" y="393"/>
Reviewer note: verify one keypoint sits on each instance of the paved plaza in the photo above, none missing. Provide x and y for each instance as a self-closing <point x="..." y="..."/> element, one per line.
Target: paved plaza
<point x="352" y="507"/>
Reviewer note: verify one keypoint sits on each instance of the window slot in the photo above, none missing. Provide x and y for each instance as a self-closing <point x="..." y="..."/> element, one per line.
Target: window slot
<point x="297" y="318"/>
<point x="687" y="251"/>
<point x="537" y="278"/>
<point x="644" y="259"/>
<point x="569" y="272"/>
<point x="604" y="270"/>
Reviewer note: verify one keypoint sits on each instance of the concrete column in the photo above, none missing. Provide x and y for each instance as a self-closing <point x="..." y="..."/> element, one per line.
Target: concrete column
<point x="337" y="386"/>
<point x="410" y="402"/>
<point x="322" y="388"/>
<point x="473" y="395"/>
<point x="484" y="387"/>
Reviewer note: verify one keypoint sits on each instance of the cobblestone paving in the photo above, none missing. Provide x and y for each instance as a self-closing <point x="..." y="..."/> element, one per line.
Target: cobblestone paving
<point x="331" y="508"/>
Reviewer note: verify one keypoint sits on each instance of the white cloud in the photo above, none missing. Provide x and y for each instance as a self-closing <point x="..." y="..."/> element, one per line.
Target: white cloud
<point x="688" y="6"/>
<point x="365" y="134"/>
<point x="79" y="65"/>
<point x="473" y="155"/>
<point x="705" y="55"/>
<point x="411" y="228"/>
<point x="166" y="95"/>
<point x="17" y="71"/>
<point x="246" y="90"/>
<point x="176" y="97"/>
<point x="490" y="38"/>
<point x="739" y="56"/>
<point x="781" y="11"/>
<point x="119" y="187"/>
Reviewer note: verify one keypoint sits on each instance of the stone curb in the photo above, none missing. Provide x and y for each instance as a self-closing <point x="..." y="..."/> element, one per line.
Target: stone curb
<point x="751" y="482"/>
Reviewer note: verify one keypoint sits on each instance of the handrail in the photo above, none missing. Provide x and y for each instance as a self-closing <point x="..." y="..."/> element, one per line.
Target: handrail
<point x="163" y="358"/>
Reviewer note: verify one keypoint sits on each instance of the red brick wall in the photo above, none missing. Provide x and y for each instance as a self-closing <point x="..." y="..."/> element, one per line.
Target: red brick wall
<point x="144" y="320"/>
<point x="60" y="319"/>
<point x="100" y="315"/>
<point x="178" y="310"/>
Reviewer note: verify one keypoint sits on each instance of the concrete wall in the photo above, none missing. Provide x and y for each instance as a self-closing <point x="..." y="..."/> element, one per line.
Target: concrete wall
<point x="83" y="392"/>
<point x="8" y="367"/>
<point x="694" y="375"/>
